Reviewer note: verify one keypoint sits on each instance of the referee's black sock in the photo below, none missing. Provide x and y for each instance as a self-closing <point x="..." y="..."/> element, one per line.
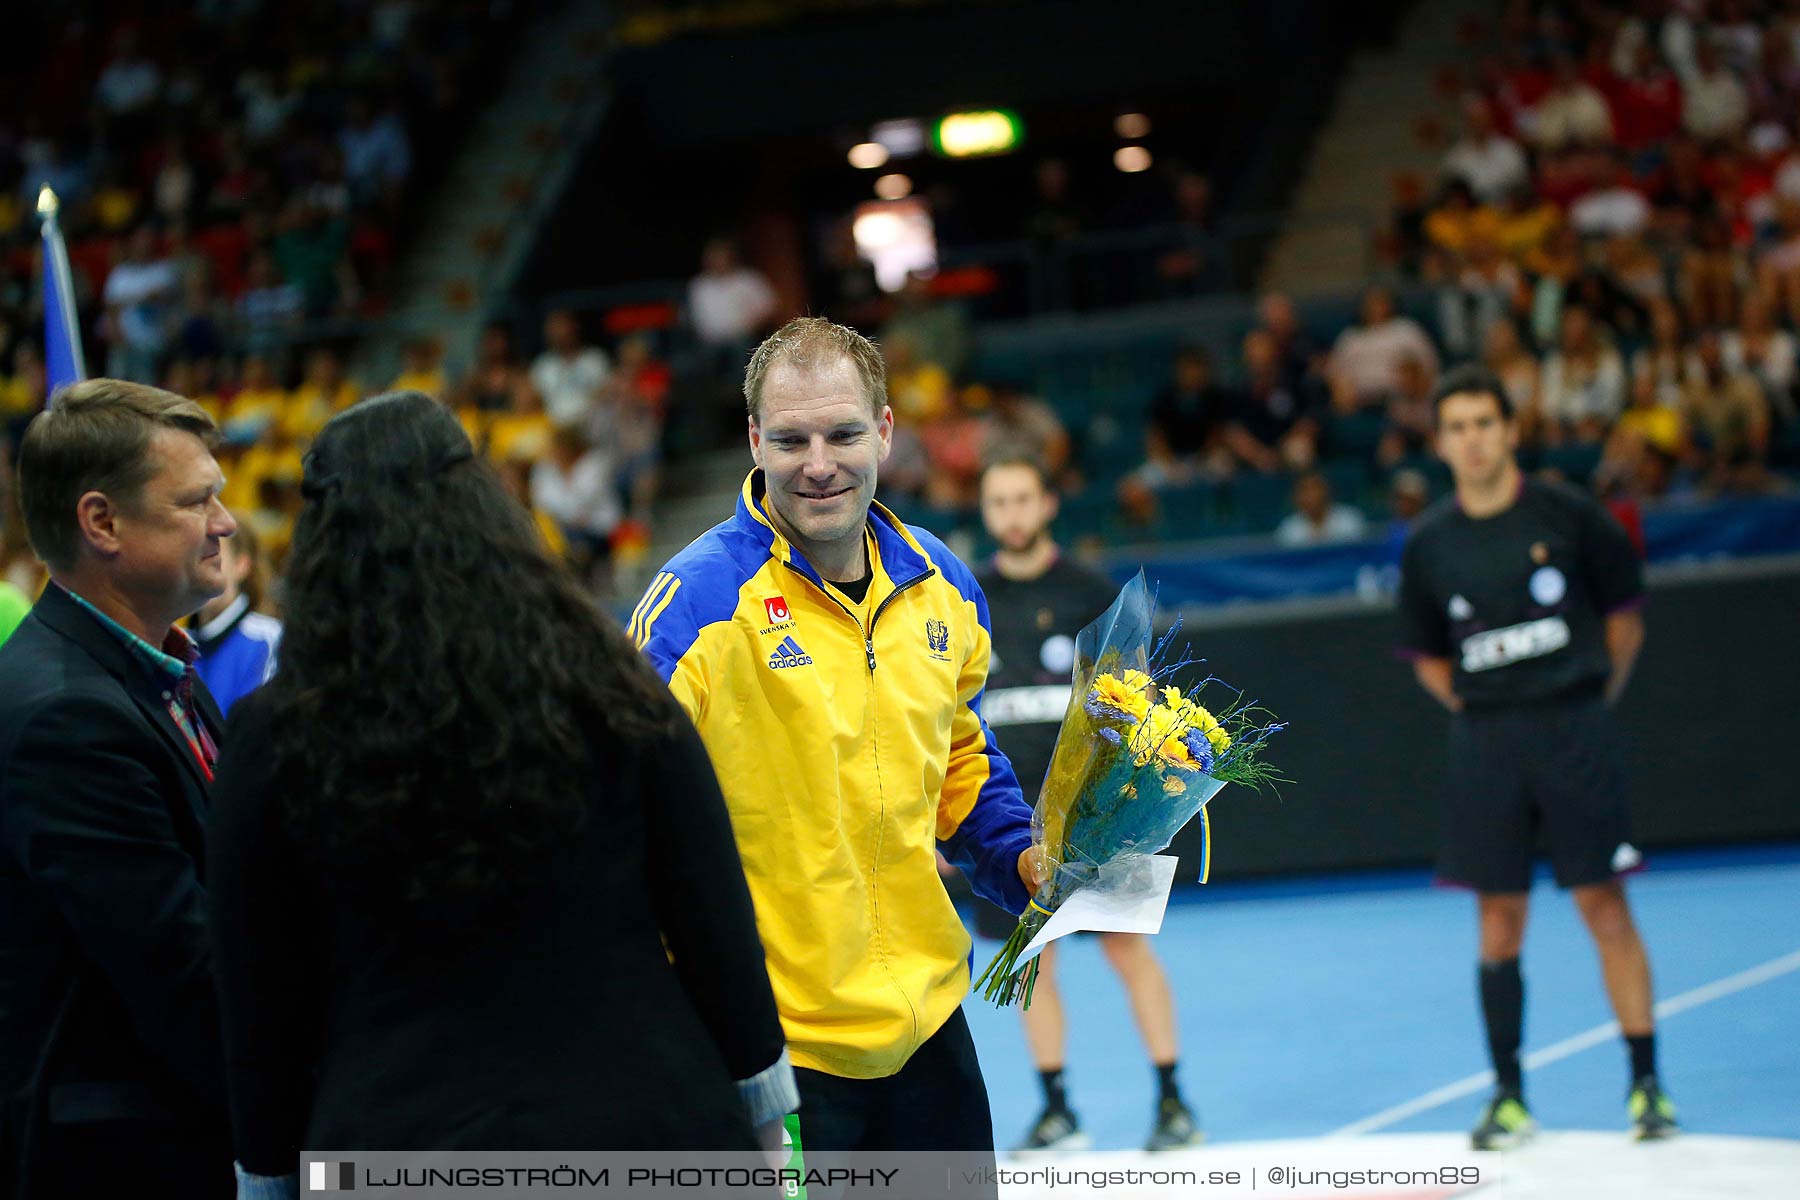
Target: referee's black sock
<point x="1503" y="1010"/>
<point x="1166" y="1087"/>
<point x="1055" y="1099"/>
<point x="1643" y="1054"/>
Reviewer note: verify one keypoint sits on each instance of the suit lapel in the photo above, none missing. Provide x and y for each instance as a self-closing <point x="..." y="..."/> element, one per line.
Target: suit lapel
<point x="156" y="708"/>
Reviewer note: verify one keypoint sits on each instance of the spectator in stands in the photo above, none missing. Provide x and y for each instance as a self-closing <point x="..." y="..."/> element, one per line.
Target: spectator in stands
<point x="1492" y="164"/>
<point x="1572" y="113"/>
<point x="1765" y="351"/>
<point x="1458" y="219"/>
<point x="421" y="368"/>
<point x="1485" y="288"/>
<point x="1615" y="310"/>
<point x="234" y="631"/>
<point x="1317" y="520"/>
<point x="377" y="157"/>
<point x="131" y="82"/>
<point x="569" y="373"/>
<point x="312" y="249"/>
<point x="1410" y="419"/>
<point x="1526" y="221"/>
<point x="1505" y="354"/>
<point x="1019" y="425"/>
<point x="1404" y="243"/>
<point x="1647" y="424"/>
<point x="1715" y="105"/>
<point x="1184" y="438"/>
<point x="918" y="390"/>
<point x="1185" y="267"/>
<point x="22" y="394"/>
<point x="270" y="309"/>
<point x="1299" y="355"/>
<point x="1583" y="382"/>
<point x="1408" y="494"/>
<point x="1364" y="367"/>
<point x="953" y="444"/>
<point x="322" y="394"/>
<point x="1667" y="361"/>
<point x="729" y="304"/>
<point x="1616" y="207"/>
<point x="140" y="296"/>
<point x="1646" y="100"/>
<point x="1636" y="268"/>
<point x="1729" y="420"/>
<point x="1711" y="276"/>
<point x="1274" y="425"/>
<point x="938" y="331"/>
<point x="1778" y="262"/>
<point x="493" y="382"/>
<point x="1555" y="266"/>
<point x="577" y="485"/>
<point x="629" y="422"/>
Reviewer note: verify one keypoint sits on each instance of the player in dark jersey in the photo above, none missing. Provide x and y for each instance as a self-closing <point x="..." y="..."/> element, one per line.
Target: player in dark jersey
<point x="1038" y="601"/>
<point x="1519" y="606"/>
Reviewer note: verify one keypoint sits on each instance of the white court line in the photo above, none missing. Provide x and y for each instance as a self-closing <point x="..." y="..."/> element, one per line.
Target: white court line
<point x="1693" y="998"/>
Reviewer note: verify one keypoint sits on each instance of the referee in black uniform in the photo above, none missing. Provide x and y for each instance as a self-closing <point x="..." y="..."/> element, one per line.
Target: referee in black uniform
<point x="1519" y="606"/>
<point x="1038" y="601"/>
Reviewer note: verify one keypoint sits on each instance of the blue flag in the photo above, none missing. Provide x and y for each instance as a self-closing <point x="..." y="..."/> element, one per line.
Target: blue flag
<point x="63" y="360"/>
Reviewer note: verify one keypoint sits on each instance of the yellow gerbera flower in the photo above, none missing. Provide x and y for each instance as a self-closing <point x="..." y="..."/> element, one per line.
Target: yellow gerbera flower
<point x="1118" y="695"/>
<point x="1159" y="735"/>
<point x="1137" y="681"/>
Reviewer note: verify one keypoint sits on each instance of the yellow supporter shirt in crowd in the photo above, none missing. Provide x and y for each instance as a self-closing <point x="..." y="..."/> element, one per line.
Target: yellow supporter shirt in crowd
<point x="921" y="394"/>
<point x="518" y="436"/>
<point x="310" y="406"/>
<point x="18" y="397"/>
<point x="1661" y="427"/>
<point x="257" y="465"/>
<point x="430" y="382"/>
<point x="257" y="406"/>
<point x="1521" y="233"/>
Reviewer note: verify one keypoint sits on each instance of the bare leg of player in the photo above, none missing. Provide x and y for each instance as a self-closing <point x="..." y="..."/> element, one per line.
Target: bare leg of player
<point x="1152" y="1004"/>
<point x="1623" y="963"/>
<point x="1153" y="1008"/>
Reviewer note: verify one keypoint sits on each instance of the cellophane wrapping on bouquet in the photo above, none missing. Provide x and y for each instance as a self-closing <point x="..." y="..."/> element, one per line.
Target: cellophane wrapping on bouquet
<point x="1136" y="759"/>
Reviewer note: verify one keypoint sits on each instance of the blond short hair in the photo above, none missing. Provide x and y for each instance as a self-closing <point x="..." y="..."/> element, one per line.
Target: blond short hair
<point x="809" y="343"/>
<point x="94" y="437"/>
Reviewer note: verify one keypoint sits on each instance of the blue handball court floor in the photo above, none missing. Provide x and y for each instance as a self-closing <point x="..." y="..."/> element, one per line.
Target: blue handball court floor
<point x="1346" y="1006"/>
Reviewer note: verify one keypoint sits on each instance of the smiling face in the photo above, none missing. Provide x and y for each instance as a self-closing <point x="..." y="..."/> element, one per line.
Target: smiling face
<point x="820" y="444"/>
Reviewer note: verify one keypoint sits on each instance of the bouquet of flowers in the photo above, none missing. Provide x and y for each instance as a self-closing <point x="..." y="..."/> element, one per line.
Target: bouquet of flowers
<point x="1135" y="760"/>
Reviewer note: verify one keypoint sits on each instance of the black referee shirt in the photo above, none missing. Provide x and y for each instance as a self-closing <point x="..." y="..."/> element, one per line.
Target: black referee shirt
<point x="1035" y="622"/>
<point x="1518" y="601"/>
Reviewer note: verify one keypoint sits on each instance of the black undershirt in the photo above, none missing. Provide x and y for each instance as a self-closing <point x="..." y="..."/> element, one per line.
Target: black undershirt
<point x="857" y="589"/>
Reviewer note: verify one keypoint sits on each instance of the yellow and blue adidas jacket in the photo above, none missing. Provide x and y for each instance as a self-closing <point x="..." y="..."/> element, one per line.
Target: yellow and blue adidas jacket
<point x="848" y="740"/>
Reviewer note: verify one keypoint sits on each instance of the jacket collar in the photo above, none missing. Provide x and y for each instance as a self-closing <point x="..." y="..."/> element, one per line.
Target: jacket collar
<point x="61" y="612"/>
<point x="901" y="555"/>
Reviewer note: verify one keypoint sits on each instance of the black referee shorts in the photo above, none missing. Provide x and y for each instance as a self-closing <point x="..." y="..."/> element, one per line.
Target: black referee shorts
<point x="1552" y="775"/>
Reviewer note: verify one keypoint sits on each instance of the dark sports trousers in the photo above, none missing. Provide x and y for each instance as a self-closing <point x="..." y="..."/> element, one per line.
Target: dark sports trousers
<point x="938" y="1101"/>
<point x="1553" y="772"/>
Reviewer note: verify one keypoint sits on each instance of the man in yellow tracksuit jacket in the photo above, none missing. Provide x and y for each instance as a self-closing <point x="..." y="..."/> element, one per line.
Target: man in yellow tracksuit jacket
<point x="833" y="660"/>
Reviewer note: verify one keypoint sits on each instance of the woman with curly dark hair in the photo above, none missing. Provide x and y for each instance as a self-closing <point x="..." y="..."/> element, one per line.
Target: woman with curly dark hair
<point x="451" y="838"/>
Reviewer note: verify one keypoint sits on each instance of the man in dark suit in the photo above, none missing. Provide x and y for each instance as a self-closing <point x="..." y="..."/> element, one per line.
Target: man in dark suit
<point x="111" y="1072"/>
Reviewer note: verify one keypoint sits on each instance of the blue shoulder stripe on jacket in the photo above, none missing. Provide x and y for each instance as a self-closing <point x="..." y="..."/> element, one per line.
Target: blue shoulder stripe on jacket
<point x="697" y="588"/>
